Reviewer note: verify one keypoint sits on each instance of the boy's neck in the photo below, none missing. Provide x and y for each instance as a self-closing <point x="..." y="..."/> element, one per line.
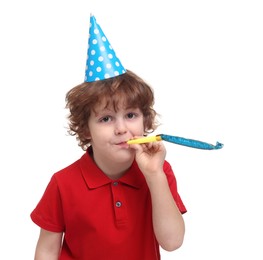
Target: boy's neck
<point x="113" y="171"/>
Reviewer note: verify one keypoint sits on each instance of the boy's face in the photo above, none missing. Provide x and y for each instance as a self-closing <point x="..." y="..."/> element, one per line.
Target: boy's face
<point x="109" y="130"/>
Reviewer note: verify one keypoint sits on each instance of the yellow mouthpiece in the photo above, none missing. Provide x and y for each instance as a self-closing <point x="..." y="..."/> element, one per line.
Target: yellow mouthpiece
<point x="144" y="140"/>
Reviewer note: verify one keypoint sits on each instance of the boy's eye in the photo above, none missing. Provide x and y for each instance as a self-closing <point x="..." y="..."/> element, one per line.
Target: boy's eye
<point x="130" y="115"/>
<point x="105" y="119"/>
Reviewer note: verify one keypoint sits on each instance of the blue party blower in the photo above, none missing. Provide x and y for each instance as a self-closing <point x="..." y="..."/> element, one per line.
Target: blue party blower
<point x="177" y="140"/>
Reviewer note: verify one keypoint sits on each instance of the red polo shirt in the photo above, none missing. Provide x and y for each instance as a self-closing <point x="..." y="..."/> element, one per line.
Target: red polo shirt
<point x="101" y="218"/>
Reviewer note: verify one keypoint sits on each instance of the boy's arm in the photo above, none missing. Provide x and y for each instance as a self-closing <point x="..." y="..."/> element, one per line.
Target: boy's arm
<point x="168" y="222"/>
<point x="48" y="245"/>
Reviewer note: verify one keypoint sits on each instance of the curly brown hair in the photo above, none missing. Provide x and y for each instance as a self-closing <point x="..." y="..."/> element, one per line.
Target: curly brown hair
<point x="128" y="88"/>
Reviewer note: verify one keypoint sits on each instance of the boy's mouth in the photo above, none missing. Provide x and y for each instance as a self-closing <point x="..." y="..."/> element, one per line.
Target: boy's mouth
<point x="123" y="144"/>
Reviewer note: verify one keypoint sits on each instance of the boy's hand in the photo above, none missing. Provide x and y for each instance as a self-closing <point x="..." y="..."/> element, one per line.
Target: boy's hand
<point x="150" y="157"/>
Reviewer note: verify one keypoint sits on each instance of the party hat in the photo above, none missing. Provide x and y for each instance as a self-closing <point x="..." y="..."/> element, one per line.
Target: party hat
<point x="102" y="62"/>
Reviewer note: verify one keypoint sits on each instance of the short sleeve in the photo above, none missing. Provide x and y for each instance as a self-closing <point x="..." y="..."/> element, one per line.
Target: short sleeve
<point x="173" y="187"/>
<point x="48" y="213"/>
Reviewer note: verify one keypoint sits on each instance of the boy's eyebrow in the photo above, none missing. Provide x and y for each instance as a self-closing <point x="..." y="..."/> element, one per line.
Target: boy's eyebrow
<point x="102" y="111"/>
<point x="105" y="110"/>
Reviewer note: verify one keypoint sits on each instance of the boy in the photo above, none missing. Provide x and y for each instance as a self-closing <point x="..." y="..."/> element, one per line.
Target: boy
<point x="118" y="201"/>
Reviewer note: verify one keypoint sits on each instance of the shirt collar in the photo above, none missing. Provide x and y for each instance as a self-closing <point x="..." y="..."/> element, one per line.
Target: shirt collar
<point x="95" y="178"/>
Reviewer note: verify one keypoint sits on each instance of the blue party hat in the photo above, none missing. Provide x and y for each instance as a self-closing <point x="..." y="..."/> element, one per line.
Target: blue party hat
<point x="102" y="62"/>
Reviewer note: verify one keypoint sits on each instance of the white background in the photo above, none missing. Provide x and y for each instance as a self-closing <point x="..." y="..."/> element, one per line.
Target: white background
<point x="204" y="60"/>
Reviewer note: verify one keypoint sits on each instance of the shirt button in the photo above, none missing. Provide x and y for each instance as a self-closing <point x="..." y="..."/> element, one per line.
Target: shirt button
<point x="118" y="204"/>
<point x="115" y="183"/>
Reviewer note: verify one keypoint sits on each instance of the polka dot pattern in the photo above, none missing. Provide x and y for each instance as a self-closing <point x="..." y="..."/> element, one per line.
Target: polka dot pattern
<point x="102" y="62"/>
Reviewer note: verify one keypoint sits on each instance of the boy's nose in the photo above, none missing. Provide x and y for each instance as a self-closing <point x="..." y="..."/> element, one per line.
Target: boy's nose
<point x="120" y="127"/>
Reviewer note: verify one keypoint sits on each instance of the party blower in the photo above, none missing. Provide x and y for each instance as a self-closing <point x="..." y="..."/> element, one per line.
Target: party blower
<point x="177" y="140"/>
